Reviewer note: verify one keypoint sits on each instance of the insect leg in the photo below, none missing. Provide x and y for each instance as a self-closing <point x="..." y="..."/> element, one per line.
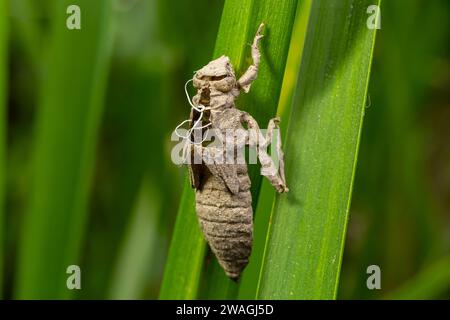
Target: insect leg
<point x="245" y="81"/>
<point x="273" y="124"/>
<point x="268" y="168"/>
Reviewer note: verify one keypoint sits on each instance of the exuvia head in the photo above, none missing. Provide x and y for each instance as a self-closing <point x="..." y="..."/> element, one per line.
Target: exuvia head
<point x="218" y="75"/>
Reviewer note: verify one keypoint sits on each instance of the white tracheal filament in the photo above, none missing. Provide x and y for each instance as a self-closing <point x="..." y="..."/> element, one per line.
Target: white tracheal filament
<point x="197" y="124"/>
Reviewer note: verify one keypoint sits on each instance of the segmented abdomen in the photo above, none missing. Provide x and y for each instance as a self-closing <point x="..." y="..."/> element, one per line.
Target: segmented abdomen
<point x="226" y="220"/>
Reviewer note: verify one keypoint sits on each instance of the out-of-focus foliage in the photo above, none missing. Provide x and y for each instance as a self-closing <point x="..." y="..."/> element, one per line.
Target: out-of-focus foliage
<point x="400" y="213"/>
<point x="63" y="152"/>
<point x="3" y="90"/>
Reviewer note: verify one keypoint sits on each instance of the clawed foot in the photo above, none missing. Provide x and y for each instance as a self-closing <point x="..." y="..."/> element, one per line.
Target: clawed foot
<point x="259" y="34"/>
<point x="281" y="188"/>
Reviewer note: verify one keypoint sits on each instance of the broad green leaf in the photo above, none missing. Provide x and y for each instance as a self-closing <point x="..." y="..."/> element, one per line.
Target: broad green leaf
<point x="307" y="231"/>
<point x="66" y="133"/>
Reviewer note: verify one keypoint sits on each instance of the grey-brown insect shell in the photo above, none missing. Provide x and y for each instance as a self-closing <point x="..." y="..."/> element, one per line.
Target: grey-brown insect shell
<point x="226" y="217"/>
<point x="223" y="198"/>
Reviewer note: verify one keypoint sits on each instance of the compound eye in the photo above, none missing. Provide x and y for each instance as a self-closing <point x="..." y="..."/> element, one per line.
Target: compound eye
<point x="226" y="84"/>
<point x="218" y="78"/>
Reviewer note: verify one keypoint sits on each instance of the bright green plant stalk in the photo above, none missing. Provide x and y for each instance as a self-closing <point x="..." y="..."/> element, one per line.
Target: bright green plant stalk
<point x="66" y="134"/>
<point x="294" y="60"/>
<point x="306" y="237"/>
<point x="3" y="92"/>
<point x="186" y="252"/>
<point x="239" y="23"/>
<point x="250" y="277"/>
<point x="262" y="103"/>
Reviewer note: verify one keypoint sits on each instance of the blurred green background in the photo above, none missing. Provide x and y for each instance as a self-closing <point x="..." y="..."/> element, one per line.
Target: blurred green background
<point x="88" y="126"/>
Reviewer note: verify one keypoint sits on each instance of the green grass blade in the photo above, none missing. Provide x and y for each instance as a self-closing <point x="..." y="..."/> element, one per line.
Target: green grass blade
<point x="250" y="277"/>
<point x="66" y="133"/>
<point x="186" y="252"/>
<point x="3" y="92"/>
<point x="239" y="23"/>
<point x="305" y="243"/>
<point x="187" y="249"/>
<point x="262" y="101"/>
<point x="294" y="60"/>
<point x="233" y="37"/>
